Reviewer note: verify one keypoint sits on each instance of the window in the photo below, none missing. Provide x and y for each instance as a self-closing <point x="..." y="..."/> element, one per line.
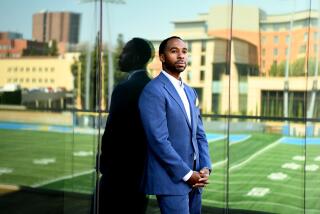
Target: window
<point x="189" y="75"/>
<point x="263" y="52"/>
<point x="21" y="69"/>
<point x="27" y="69"/>
<point x="9" y="80"/>
<point x="315" y="35"/>
<point x="27" y="79"/>
<point x="52" y="69"/>
<point x="52" y="80"/>
<point x="287" y="39"/>
<point x="275" y="52"/>
<point x="34" y="80"/>
<point x="302" y="49"/>
<point x="202" y="75"/>
<point x="263" y="39"/>
<point x="203" y="46"/>
<point x="276" y="39"/>
<point x="276" y="27"/>
<point x="263" y="63"/>
<point x="9" y="69"/>
<point x="33" y="69"/>
<point x="40" y="69"/>
<point x="40" y="80"/>
<point x="189" y="46"/>
<point x="203" y="60"/>
<point x="305" y="36"/>
<point x="189" y="60"/>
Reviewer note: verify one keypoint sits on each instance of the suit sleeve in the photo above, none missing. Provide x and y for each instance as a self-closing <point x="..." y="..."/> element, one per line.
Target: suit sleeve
<point x="203" y="146"/>
<point x="152" y="105"/>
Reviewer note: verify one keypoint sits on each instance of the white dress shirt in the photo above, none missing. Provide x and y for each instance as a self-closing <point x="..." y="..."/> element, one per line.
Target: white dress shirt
<point x="178" y="85"/>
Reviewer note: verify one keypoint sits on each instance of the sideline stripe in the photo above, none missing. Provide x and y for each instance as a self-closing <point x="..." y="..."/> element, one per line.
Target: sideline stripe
<point x="43" y="183"/>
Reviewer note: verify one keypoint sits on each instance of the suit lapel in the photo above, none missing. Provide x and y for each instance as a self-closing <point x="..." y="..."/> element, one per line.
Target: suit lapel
<point x="174" y="94"/>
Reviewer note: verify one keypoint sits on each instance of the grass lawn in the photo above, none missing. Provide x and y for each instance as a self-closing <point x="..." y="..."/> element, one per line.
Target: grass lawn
<point x="264" y="174"/>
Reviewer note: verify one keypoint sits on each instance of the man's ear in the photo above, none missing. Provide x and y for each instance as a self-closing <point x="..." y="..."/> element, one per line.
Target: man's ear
<point x="162" y="59"/>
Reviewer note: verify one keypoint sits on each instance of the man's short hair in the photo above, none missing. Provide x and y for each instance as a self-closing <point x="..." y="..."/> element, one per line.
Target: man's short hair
<point x="163" y="44"/>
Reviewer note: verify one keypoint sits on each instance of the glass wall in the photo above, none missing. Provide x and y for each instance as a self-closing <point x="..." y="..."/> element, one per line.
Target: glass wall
<point x="254" y="65"/>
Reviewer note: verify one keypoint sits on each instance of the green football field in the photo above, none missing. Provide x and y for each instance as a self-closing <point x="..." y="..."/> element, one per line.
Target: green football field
<point x="264" y="174"/>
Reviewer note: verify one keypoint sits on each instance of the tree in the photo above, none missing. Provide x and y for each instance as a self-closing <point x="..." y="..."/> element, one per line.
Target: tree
<point x="118" y="76"/>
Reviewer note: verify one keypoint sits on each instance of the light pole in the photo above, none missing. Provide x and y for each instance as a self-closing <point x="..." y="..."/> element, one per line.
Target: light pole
<point x="100" y="87"/>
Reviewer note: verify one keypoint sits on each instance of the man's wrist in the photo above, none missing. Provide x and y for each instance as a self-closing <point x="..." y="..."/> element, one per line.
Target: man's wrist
<point x="187" y="176"/>
<point x="206" y="168"/>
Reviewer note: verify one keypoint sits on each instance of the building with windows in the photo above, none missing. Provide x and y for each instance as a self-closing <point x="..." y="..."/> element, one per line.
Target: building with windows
<point x="261" y="54"/>
<point x="63" y="27"/>
<point x="38" y="72"/>
<point x="13" y="45"/>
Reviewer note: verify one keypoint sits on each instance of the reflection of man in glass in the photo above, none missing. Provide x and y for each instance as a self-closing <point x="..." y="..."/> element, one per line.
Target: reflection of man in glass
<point x="123" y="149"/>
<point x="178" y="163"/>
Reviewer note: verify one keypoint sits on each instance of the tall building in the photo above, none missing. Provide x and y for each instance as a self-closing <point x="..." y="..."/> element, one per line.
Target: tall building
<point x="63" y="27"/>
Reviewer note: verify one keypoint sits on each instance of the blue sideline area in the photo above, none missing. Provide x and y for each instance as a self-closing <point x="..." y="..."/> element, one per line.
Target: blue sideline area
<point x="234" y="138"/>
<point x="35" y="127"/>
<point x="300" y="141"/>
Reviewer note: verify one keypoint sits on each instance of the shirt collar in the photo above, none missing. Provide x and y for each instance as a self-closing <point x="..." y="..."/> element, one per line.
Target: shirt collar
<point x="174" y="81"/>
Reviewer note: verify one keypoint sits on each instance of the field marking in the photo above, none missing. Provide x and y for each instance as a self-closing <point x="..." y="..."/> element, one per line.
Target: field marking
<point x="5" y="170"/>
<point x="277" y="176"/>
<point x="258" y="192"/>
<point x="292" y="166"/>
<point x="219" y="163"/>
<point x="61" y="178"/>
<point x="44" y="161"/>
<point x="312" y="167"/>
<point x="247" y="202"/>
<point x="298" y="158"/>
<point x="83" y="153"/>
<point x="240" y="165"/>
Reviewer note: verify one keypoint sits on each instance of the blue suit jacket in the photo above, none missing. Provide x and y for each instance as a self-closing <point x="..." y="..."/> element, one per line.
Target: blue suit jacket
<point x="172" y="140"/>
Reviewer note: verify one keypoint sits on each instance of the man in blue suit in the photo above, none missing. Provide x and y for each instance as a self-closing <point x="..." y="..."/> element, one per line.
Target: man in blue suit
<point x="178" y="161"/>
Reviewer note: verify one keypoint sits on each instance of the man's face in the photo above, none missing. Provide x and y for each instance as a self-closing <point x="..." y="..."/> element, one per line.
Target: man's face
<point x="175" y="56"/>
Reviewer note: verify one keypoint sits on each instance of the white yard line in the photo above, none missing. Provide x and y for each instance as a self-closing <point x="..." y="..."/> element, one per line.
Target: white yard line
<point x="220" y="163"/>
<point x="223" y="162"/>
<point x="240" y="165"/>
<point x="61" y="178"/>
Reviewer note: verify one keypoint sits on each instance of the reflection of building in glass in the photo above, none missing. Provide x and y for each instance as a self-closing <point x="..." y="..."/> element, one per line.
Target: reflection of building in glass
<point x="63" y="27"/>
<point x="13" y="45"/>
<point x="260" y="46"/>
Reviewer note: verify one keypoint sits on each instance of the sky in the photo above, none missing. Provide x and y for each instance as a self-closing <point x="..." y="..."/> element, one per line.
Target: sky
<point x="151" y="19"/>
